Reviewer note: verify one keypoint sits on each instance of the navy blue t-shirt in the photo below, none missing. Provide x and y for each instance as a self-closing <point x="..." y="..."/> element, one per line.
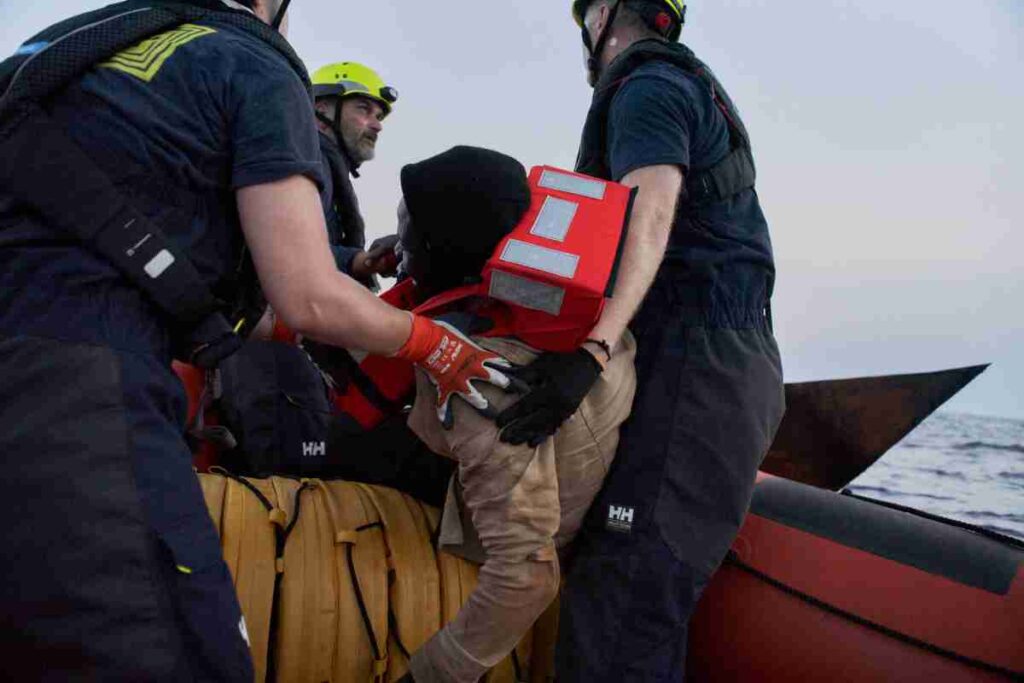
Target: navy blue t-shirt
<point x="179" y="122"/>
<point x="719" y="259"/>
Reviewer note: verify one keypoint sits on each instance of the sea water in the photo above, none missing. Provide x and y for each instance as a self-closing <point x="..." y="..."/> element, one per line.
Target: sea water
<point x="964" y="467"/>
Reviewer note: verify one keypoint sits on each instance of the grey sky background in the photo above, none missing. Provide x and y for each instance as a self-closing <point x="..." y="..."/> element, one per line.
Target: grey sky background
<point x="890" y="166"/>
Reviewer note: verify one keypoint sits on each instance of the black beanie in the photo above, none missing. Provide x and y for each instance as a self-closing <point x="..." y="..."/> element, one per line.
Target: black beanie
<point x="462" y="203"/>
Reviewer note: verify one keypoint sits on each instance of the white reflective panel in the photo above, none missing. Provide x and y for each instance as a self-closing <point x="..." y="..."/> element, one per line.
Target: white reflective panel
<point x="159" y="263"/>
<point x="526" y="293"/>
<point x="541" y="258"/>
<point x="554" y="219"/>
<point x="584" y="187"/>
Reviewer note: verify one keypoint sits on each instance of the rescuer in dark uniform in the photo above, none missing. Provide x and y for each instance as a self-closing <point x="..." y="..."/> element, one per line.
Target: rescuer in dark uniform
<point x="694" y="286"/>
<point x="272" y="395"/>
<point x="205" y="129"/>
<point x="352" y="101"/>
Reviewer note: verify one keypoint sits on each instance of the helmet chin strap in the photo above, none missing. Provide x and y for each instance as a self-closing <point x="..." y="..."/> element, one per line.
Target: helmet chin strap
<point x="276" y="24"/>
<point x="278" y="18"/>
<point x="596" y="50"/>
<point x="335" y="126"/>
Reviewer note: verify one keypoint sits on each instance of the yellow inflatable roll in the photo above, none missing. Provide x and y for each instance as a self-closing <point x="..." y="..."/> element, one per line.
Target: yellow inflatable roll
<point x="340" y="581"/>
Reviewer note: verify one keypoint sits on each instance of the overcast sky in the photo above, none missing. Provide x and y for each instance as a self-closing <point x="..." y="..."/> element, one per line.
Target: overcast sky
<point x="889" y="165"/>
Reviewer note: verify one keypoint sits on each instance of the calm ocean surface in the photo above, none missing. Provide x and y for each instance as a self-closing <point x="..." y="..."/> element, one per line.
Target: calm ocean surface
<point x="965" y="467"/>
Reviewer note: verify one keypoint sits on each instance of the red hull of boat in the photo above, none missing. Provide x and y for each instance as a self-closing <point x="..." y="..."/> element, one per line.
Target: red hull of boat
<point x="822" y="586"/>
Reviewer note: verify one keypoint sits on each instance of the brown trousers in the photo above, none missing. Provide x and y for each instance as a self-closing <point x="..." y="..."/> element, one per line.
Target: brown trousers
<point x="513" y="507"/>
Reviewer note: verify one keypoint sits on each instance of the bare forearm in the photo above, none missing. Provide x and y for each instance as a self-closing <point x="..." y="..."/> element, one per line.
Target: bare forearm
<point x="649" y="229"/>
<point x="344" y="313"/>
<point x="285" y="232"/>
<point x="641" y="259"/>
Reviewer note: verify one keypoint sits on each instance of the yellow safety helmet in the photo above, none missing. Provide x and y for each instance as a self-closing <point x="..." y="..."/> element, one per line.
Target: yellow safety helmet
<point x="669" y="23"/>
<point x="346" y="79"/>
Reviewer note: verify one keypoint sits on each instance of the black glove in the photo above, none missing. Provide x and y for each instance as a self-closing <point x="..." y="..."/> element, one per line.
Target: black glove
<point x="558" y="382"/>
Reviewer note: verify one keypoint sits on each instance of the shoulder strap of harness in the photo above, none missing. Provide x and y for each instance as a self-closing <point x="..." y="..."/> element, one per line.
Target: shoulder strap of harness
<point x="353" y="228"/>
<point x="732" y="174"/>
<point x="39" y="156"/>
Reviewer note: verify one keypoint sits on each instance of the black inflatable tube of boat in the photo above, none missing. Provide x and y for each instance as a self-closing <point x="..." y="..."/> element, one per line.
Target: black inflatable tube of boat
<point x="929" y="545"/>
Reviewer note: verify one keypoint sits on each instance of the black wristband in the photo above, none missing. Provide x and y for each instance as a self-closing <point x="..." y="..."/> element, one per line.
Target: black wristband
<point x="605" y="346"/>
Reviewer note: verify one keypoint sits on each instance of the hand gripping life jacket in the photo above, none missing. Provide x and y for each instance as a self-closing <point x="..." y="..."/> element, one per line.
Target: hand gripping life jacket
<point x="39" y="156"/>
<point x="546" y="283"/>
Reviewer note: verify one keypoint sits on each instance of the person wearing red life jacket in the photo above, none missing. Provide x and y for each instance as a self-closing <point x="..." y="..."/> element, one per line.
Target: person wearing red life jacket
<point x="466" y="218"/>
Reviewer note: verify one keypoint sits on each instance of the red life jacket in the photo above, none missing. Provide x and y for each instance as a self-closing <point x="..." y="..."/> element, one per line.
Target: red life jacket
<point x="546" y="283"/>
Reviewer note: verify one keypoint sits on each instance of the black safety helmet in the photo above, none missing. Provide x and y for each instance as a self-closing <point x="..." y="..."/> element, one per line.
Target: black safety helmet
<point x="665" y="17"/>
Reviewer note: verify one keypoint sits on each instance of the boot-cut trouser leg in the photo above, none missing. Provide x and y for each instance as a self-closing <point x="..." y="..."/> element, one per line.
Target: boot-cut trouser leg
<point x="708" y="403"/>
<point x="511" y="493"/>
<point x="113" y="568"/>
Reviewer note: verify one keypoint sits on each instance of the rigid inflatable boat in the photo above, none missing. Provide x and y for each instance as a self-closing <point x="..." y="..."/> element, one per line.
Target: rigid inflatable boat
<point x="833" y="587"/>
<point x="338" y="581"/>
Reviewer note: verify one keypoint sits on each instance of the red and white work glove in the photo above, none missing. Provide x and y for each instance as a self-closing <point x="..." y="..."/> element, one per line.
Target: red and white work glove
<point x="453" y="363"/>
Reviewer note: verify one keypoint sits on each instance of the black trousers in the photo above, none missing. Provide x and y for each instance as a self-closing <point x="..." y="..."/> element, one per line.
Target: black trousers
<point x="708" y="403"/>
<point x="112" y="568"/>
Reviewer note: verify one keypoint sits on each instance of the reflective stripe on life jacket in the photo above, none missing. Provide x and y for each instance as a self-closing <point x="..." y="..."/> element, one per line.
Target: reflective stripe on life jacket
<point x="546" y="283"/>
<point x="554" y="271"/>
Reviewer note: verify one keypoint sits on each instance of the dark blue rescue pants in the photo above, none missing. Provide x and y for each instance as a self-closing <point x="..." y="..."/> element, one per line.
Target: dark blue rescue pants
<point x="708" y="402"/>
<point x="112" y="568"/>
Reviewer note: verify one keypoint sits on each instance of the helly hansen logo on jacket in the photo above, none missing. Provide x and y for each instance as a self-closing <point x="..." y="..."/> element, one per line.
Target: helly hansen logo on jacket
<point x="313" y="449"/>
<point x="620" y="518"/>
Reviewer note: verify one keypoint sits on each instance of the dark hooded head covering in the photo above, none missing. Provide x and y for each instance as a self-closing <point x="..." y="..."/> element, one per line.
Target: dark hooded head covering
<point x="461" y="204"/>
